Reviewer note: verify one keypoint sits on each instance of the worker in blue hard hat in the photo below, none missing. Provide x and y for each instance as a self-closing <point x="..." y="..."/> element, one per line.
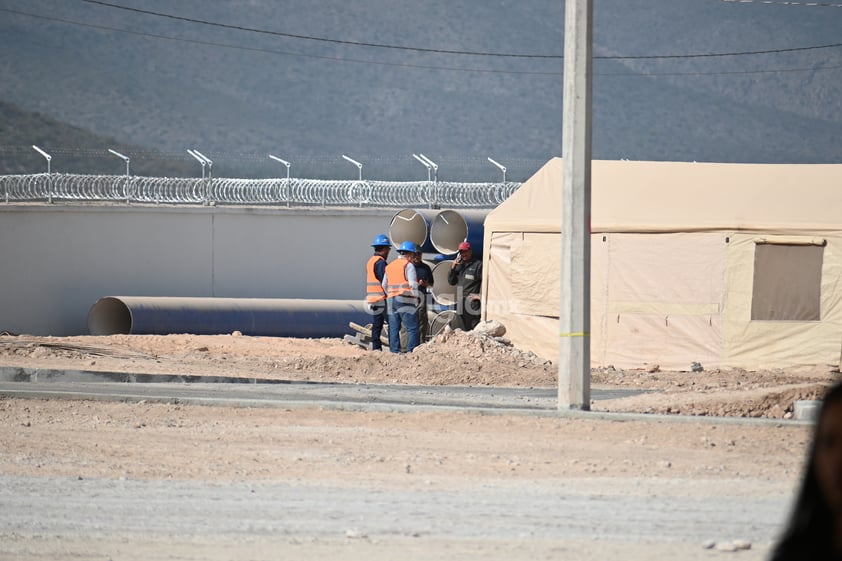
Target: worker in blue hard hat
<point x="375" y="297"/>
<point x="400" y="283"/>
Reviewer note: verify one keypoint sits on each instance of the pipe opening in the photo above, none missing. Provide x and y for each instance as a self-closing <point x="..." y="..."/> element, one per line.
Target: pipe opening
<point x="448" y="230"/>
<point x="109" y="316"/>
<point x="408" y="225"/>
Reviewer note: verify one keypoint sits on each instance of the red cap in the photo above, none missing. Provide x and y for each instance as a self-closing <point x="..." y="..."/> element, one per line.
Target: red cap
<point x="464" y="245"/>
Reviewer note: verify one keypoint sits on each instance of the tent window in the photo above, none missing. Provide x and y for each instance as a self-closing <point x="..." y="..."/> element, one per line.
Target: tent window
<point x="787" y="282"/>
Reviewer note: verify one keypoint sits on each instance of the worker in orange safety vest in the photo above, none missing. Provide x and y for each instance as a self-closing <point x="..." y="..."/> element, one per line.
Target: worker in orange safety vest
<point x="401" y="285"/>
<point x="375" y="296"/>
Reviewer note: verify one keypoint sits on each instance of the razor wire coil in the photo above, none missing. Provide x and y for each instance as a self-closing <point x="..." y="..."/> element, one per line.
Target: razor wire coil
<point x="232" y="191"/>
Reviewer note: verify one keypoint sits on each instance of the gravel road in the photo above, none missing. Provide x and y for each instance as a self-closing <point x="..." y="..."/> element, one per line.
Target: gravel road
<point x="117" y="471"/>
<point x="104" y="516"/>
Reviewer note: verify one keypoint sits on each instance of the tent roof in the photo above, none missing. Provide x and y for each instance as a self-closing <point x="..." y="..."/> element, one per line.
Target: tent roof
<point x="631" y="196"/>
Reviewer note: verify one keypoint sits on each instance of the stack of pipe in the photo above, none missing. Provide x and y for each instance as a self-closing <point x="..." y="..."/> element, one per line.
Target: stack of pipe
<point x="438" y="235"/>
<point x="438" y="231"/>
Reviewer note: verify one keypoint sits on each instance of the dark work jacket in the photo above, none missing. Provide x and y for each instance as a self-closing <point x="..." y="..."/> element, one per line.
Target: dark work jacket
<point x="423" y="272"/>
<point x="468" y="276"/>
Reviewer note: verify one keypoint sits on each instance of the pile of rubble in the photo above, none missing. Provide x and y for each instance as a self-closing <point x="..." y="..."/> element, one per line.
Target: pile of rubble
<point x="487" y="342"/>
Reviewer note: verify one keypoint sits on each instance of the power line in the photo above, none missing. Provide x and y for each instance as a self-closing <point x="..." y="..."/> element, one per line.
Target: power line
<point x="721" y="72"/>
<point x="782" y="3"/>
<point x="428" y="67"/>
<point x="313" y="38"/>
<point x="273" y="51"/>
<point x="712" y="55"/>
<point x="452" y="52"/>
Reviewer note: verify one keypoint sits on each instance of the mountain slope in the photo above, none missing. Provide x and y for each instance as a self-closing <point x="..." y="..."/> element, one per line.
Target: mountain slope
<point x="72" y="149"/>
<point x="237" y="103"/>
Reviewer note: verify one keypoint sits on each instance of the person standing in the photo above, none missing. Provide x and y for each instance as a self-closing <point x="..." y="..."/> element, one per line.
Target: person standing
<point x="375" y="297"/>
<point x="425" y="280"/>
<point x="466" y="274"/>
<point x="401" y="286"/>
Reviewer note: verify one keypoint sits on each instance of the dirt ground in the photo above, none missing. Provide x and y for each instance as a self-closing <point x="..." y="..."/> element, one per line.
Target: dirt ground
<point x="451" y="358"/>
<point x="114" y="441"/>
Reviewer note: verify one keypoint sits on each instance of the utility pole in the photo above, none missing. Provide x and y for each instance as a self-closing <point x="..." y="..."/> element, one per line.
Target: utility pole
<point x="574" y="365"/>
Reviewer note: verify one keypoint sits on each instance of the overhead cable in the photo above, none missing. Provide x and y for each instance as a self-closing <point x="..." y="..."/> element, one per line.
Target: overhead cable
<point x="783" y="3"/>
<point x="447" y="51"/>
<point x="452" y="68"/>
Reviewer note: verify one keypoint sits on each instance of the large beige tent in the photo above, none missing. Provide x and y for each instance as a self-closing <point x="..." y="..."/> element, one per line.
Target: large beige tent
<point x="727" y="265"/>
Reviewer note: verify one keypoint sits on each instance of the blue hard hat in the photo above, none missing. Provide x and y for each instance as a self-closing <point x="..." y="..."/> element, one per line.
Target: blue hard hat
<point x="407" y="246"/>
<point x="381" y="241"/>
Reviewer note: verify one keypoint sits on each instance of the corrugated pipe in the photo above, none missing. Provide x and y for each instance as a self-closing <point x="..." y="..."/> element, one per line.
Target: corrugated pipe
<point x="271" y="317"/>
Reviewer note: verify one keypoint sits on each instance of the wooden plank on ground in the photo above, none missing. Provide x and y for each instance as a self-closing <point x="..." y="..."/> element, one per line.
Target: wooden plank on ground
<point x="366" y="330"/>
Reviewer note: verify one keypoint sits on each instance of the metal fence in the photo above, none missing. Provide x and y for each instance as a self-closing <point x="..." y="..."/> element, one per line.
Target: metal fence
<point x="53" y="187"/>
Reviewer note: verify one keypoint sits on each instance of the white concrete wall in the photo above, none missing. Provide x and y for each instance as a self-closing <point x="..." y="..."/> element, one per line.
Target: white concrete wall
<point x="56" y="261"/>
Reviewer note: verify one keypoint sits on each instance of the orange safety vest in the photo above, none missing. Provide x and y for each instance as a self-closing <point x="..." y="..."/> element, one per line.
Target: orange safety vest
<point x="374" y="289"/>
<point x="398" y="283"/>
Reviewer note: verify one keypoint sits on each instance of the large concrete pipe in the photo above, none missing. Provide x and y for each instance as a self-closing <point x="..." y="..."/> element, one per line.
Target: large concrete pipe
<point x="449" y="228"/>
<point x="442" y="291"/>
<point x="272" y="317"/>
<point x="414" y="226"/>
